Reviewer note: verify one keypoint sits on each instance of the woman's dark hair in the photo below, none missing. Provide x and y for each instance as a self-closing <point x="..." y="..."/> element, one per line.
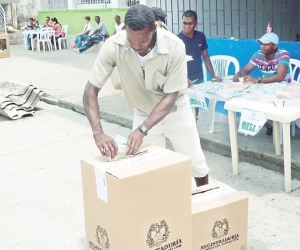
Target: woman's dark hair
<point x="139" y="17"/>
<point x="87" y="18"/>
<point x="54" y="19"/>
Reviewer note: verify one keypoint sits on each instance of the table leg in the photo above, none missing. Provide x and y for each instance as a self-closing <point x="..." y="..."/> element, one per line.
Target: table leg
<point x="287" y="156"/>
<point x="233" y="141"/>
<point x="211" y="114"/>
<point x="276" y="137"/>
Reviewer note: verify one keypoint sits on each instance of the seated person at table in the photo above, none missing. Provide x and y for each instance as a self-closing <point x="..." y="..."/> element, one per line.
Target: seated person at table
<point x="58" y="31"/>
<point x="97" y="36"/>
<point x="31" y="25"/>
<point x="48" y="23"/>
<point x="196" y="47"/>
<point x="82" y="36"/>
<point x="272" y="62"/>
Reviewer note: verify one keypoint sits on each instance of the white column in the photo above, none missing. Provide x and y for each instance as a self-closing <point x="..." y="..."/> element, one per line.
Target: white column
<point x="114" y="3"/>
<point x="71" y="5"/>
<point x="150" y="3"/>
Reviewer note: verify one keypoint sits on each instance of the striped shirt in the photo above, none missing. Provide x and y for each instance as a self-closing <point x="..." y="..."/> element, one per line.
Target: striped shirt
<point x="269" y="68"/>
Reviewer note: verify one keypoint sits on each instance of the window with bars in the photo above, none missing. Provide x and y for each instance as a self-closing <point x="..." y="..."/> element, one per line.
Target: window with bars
<point x="54" y="4"/>
<point x="94" y="1"/>
<point x="2" y="20"/>
<point x="128" y="3"/>
<point x="240" y="19"/>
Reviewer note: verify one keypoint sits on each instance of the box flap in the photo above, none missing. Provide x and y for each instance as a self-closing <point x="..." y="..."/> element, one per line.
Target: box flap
<point x="214" y="195"/>
<point x="148" y="159"/>
<point x="125" y="167"/>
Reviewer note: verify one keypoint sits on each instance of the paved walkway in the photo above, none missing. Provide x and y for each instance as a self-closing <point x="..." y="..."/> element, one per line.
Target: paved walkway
<point x="63" y="75"/>
<point x="41" y="195"/>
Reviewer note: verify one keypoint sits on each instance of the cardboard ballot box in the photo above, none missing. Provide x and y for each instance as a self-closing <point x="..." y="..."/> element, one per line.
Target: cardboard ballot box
<point x="142" y="202"/>
<point x="220" y="218"/>
<point x="4" y="45"/>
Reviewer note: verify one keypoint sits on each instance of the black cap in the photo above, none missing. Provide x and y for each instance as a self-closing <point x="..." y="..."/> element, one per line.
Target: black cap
<point x="159" y="13"/>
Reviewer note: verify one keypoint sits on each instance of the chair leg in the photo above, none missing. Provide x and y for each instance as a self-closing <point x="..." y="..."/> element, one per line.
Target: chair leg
<point x="293" y="128"/>
<point x="211" y="114"/>
<point x="38" y="46"/>
<point x="32" y="44"/>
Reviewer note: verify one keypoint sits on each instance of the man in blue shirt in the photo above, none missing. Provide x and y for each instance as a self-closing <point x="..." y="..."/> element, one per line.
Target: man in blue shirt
<point x="196" y="47"/>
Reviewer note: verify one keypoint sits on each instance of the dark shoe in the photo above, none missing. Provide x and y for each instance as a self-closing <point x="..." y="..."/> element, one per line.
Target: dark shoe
<point x="30" y="48"/>
<point x="269" y="129"/>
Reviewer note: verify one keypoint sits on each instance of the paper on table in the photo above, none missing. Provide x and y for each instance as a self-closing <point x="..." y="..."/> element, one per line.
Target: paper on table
<point x="291" y="91"/>
<point x="232" y="90"/>
<point x="264" y="91"/>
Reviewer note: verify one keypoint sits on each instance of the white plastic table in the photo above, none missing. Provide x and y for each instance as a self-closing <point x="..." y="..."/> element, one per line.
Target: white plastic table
<point x="284" y="114"/>
<point x="37" y="32"/>
<point x="213" y="98"/>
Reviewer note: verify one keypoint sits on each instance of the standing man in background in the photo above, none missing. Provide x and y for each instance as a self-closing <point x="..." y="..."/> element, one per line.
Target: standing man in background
<point x="196" y="47"/>
<point x="119" y="26"/>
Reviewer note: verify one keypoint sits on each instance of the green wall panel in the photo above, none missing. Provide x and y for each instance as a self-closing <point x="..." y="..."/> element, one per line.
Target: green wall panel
<point x="75" y="18"/>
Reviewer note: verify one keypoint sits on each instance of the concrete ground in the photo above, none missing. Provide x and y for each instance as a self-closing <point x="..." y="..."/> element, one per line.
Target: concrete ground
<point x="40" y="177"/>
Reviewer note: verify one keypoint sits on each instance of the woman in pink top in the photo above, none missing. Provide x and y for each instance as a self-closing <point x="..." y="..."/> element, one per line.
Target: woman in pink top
<point x="58" y="30"/>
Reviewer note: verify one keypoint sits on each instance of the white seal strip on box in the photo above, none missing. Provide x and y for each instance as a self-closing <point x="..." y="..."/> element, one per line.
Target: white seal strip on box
<point x="100" y="172"/>
<point x="210" y="194"/>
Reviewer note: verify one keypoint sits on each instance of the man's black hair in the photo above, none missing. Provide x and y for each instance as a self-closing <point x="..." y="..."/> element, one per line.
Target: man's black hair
<point x="160" y="14"/>
<point x="190" y="13"/>
<point x="139" y="17"/>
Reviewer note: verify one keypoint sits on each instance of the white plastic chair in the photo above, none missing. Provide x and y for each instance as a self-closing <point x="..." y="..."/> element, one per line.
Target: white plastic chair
<point x="295" y="76"/>
<point x="24" y="37"/>
<point x="63" y="39"/>
<point x="295" y="69"/>
<point x="44" y="37"/>
<point x="221" y="64"/>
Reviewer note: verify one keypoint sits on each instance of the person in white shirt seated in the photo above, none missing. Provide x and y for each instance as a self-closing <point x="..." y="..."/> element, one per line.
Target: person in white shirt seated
<point x="97" y="36"/>
<point x="119" y="25"/>
<point x="85" y="34"/>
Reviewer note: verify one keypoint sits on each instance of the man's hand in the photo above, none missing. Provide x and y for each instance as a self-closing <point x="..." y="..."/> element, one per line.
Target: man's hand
<point x="217" y="79"/>
<point x="106" y="145"/>
<point x="235" y="78"/>
<point x="250" y="79"/>
<point x="190" y="83"/>
<point x="135" y="141"/>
